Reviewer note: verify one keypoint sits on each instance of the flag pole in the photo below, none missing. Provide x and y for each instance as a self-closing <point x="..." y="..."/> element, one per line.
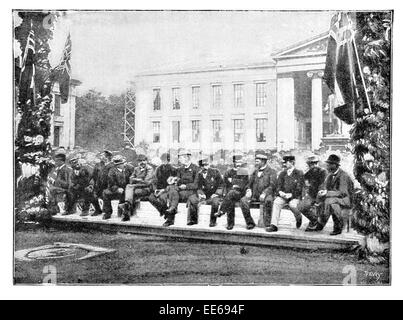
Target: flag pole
<point x="360" y="70"/>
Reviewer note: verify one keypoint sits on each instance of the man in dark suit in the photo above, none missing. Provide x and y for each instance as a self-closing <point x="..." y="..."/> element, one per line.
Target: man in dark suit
<point x="159" y="198"/>
<point x="290" y="185"/>
<point x="235" y="182"/>
<point x="261" y="188"/>
<point x="100" y="173"/>
<point x="118" y="178"/>
<point x="82" y="186"/>
<point x="336" y="195"/>
<point x="210" y="188"/>
<point x="314" y="179"/>
<point x="187" y="188"/>
<point x="58" y="183"/>
<point x="140" y="186"/>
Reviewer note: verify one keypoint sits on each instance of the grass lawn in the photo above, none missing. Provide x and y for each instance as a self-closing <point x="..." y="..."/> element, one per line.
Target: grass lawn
<point x="153" y="260"/>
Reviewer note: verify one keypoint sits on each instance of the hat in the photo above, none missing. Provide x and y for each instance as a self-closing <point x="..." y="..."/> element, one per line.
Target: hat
<point x="60" y="151"/>
<point x="288" y="158"/>
<point x="312" y="159"/>
<point x="184" y="152"/>
<point x="333" y="159"/>
<point x="166" y="157"/>
<point x="237" y="157"/>
<point x="142" y="157"/>
<point x="74" y="160"/>
<point x="261" y="156"/>
<point x="203" y="162"/>
<point x="107" y="153"/>
<point x="118" y="159"/>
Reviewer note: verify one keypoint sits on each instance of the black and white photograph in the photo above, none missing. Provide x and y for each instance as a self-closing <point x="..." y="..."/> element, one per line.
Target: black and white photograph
<point x="202" y="147"/>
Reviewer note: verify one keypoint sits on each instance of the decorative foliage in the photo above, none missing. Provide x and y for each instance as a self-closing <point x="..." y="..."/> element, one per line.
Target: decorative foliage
<point x="32" y="144"/>
<point x="370" y="135"/>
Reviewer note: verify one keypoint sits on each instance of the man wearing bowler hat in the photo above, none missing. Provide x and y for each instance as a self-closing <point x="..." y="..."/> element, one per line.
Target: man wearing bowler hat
<point x="140" y="186"/>
<point x="261" y="187"/>
<point x="235" y="181"/>
<point x="290" y="185"/>
<point x="100" y="173"/>
<point x="336" y="195"/>
<point x="118" y="178"/>
<point x="210" y="188"/>
<point x="314" y="179"/>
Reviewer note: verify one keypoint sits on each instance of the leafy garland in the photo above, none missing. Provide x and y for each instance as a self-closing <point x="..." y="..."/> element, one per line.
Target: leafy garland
<point x="32" y="145"/>
<point x="370" y="135"/>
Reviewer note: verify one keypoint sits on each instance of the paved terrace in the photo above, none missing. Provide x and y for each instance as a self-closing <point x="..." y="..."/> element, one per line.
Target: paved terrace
<point x="147" y="221"/>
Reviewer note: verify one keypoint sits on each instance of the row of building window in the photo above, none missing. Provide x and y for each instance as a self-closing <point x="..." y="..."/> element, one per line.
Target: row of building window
<point x="238" y="130"/>
<point x="217" y="95"/>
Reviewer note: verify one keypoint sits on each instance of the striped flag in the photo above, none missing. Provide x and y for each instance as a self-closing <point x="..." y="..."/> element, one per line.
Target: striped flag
<point x="27" y="75"/>
<point x="62" y="72"/>
<point x="343" y="73"/>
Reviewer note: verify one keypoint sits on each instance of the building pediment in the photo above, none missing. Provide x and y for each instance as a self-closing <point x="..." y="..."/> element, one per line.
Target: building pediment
<point x="311" y="47"/>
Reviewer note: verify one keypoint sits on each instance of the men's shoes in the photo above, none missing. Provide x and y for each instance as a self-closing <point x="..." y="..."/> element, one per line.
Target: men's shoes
<point x="298" y="222"/>
<point x="213" y="224"/>
<point x="168" y="223"/>
<point x="191" y="223"/>
<point x="126" y="217"/>
<point x="272" y="228"/>
<point x="230" y="227"/>
<point x="95" y="213"/>
<point x="335" y="232"/>
<point x="250" y="226"/>
<point x="106" y="216"/>
<point x="311" y="227"/>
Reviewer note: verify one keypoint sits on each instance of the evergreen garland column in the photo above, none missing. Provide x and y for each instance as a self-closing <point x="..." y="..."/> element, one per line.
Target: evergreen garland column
<point x="32" y="145"/>
<point x="370" y="135"/>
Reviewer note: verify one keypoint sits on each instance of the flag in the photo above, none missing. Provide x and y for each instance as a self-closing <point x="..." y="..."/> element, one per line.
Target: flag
<point x="342" y="72"/>
<point x="27" y="73"/>
<point x="62" y="72"/>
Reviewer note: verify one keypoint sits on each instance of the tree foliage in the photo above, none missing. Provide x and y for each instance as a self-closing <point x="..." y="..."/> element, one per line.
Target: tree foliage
<point x="370" y="135"/>
<point x="99" y="121"/>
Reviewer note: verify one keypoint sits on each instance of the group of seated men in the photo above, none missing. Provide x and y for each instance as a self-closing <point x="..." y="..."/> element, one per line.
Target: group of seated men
<point x="317" y="194"/>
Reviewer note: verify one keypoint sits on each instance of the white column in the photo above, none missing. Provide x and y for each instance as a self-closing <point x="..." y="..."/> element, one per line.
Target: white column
<point x="285" y="114"/>
<point x="317" y="116"/>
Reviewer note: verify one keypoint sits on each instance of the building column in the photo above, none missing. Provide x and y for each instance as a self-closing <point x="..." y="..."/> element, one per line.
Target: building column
<point x="317" y="112"/>
<point x="285" y="114"/>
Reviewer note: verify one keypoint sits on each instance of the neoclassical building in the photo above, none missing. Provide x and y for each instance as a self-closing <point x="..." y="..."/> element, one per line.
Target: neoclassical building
<point x="63" y="118"/>
<point x="281" y="104"/>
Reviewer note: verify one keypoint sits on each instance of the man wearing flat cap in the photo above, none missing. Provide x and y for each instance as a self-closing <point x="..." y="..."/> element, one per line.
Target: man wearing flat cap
<point x="140" y="186"/>
<point x="235" y="181"/>
<point x="261" y="188"/>
<point x="290" y="185"/>
<point x="314" y="179"/>
<point x="336" y="195"/>
<point x="210" y="188"/>
<point x="163" y="185"/>
<point x="82" y="186"/>
<point x="118" y="178"/>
